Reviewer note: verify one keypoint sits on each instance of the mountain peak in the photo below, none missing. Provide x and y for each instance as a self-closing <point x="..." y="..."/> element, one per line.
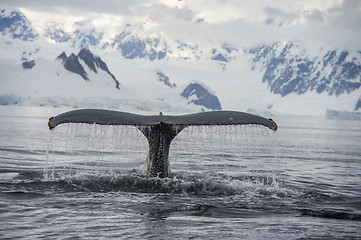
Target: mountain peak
<point x="165" y="79"/>
<point x="89" y="58"/>
<point x="73" y="65"/>
<point x="62" y="56"/>
<point x="202" y="95"/>
<point x="16" y="25"/>
<point x="94" y="63"/>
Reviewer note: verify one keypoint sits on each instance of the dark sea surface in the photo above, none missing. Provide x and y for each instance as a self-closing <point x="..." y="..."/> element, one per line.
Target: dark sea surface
<point x="240" y="182"/>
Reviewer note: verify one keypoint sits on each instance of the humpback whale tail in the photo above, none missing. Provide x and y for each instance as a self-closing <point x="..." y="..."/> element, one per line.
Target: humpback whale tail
<point x="160" y="129"/>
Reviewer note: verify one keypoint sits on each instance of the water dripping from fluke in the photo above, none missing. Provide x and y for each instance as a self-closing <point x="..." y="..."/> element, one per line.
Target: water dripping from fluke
<point x="159" y="130"/>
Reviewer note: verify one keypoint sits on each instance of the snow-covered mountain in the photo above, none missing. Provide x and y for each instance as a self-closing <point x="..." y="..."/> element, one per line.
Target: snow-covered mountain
<point x="16" y="25"/>
<point x="178" y="74"/>
<point x="84" y="80"/>
<point x="335" y="72"/>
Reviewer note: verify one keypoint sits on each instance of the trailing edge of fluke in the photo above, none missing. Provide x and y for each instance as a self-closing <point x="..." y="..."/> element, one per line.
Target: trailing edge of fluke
<point x="108" y="117"/>
<point x="160" y="129"/>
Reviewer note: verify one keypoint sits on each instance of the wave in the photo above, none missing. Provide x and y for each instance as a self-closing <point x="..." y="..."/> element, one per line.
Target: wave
<point x="190" y="184"/>
<point x="178" y="184"/>
<point x="332" y="214"/>
<point x="243" y="195"/>
<point x="23" y="151"/>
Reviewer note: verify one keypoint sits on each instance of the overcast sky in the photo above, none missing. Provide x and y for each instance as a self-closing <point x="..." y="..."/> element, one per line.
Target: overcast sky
<point x="332" y="22"/>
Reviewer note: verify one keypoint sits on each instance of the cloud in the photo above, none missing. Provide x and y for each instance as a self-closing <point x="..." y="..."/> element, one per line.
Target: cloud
<point x="281" y="17"/>
<point x="78" y="7"/>
<point x="333" y="22"/>
<point x="347" y="16"/>
<point x="338" y="26"/>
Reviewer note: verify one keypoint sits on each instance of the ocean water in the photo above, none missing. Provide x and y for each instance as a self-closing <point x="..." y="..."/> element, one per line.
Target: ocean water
<point x="240" y="182"/>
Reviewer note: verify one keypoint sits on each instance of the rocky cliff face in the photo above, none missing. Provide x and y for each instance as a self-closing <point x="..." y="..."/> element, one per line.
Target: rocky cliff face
<point x="199" y="95"/>
<point x="94" y="63"/>
<point x="358" y="104"/>
<point x="165" y="79"/>
<point x="72" y="64"/>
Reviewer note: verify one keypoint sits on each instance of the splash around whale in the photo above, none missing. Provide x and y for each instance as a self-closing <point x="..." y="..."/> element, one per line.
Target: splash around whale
<point x="160" y="129"/>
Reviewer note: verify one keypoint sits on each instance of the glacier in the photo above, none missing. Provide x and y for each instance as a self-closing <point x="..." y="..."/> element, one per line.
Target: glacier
<point x="342" y="115"/>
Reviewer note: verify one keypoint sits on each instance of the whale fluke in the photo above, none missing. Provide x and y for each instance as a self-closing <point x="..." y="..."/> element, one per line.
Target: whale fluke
<point x="160" y="129"/>
<point x="108" y="117"/>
